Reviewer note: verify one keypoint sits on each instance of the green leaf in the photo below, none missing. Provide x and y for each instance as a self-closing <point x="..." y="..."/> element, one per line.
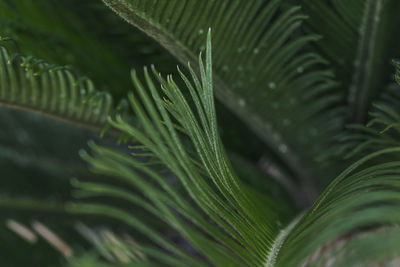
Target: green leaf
<point x="262" y="71"/>
<point x="362" y="199"/>
<point x="357" y="40"/>
<point x="84" y="34"/>
<point x="237" y="224"/>
<point x="382" y="130"/>
<point x="31" y="84"/>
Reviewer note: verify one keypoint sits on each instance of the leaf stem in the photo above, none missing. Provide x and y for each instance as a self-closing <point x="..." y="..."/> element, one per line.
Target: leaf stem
<point x="362" y="81"/>
<point x="267" y="133"/>
<point x="280" y="239"/>
<point x="61" y="118"/>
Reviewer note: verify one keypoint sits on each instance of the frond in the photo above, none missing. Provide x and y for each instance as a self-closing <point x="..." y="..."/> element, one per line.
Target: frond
<point x="356" y="40"/>
<point x="382" y="130"/>
<point x="397" y="75"/>
<point x="31" y="84"/>
<point x="355" y="213"/>
<point x="236" y="225"/>
<point x="263" y="72"/>
<point x="84" y="34"/>
<point x="185" y="200"/>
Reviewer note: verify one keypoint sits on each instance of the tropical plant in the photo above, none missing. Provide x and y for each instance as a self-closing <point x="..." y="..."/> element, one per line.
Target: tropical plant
<point x="228" y="159"/>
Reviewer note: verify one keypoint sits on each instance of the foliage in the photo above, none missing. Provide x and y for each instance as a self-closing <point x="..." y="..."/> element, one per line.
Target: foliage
<point x="171" y="182"/>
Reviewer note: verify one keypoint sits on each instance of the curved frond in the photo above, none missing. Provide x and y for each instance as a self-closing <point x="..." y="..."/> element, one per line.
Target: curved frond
<point x="350" y="214"/>
<point x="84" y="34"/>
<point x="236" y="225"/>
<point x="31" y="84"/>
<point x="262" y="71"/>
<point x="357" y="214"/>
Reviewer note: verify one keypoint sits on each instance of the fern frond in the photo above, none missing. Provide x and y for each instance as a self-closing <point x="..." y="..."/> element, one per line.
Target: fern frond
<point x="31" y="84"/>
<point x="237" y="224"/>
<point x="262" y="71"/>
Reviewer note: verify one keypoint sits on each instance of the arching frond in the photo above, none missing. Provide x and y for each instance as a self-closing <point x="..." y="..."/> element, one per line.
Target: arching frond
<point x="32" y="84"/>
<point x="356" y="215"/>
<point x="262" y="71"/>
<point x="236" y="225"/>
<point x="182" y="198"/>
<point x="84" y="34"/>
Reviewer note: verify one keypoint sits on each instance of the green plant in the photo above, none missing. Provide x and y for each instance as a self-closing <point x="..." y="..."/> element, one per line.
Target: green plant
<point x="304" y="93"/>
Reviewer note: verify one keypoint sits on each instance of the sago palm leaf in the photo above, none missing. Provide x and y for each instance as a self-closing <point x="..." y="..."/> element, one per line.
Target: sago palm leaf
<point x="236" y="225"/>
<point x="175" y="185"/>
<point x="358" y="213"/>
<point x="262" y="70"/>
<point x="382" y="129"/>
<point x="355" y="207"/>
<point x="361" y="203"/>
<point x="32" y="84"/>
<point x="86" y="35"/>
<point x="357" y="40"/>
<point x="90" y="37"/>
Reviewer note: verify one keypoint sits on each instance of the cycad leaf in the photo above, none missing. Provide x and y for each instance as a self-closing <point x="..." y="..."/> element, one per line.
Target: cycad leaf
<point x="84" y="34"/>
<point x="382" y="130"/>
<point x="262" y="72"/>
<point x="358" y="213"/>
<point x="357" y="40"/>
<point x="236" y="225"/>
<point x="361" y="201"/>
<point x="31" y="84"/>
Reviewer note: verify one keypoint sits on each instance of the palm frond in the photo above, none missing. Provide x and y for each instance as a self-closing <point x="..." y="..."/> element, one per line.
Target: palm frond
<point x="356" y="41"/>
<point x="262" y="71"/>
<point x="382" y="130"/>
<point x="359" y="203"/>
<point x="86" y="35"/>
<point x="31" y="84"/>
<point x="188" y="201"/>
<point x="236" y="225"/>
<point x="338" y="22"/>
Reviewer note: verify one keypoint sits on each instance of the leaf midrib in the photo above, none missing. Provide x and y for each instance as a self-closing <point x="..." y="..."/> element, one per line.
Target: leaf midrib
<point x="280" y="239"/>
<point x="362" y="78"/>
<point x="271" y="137"/>
<point x="60" y="117"/>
